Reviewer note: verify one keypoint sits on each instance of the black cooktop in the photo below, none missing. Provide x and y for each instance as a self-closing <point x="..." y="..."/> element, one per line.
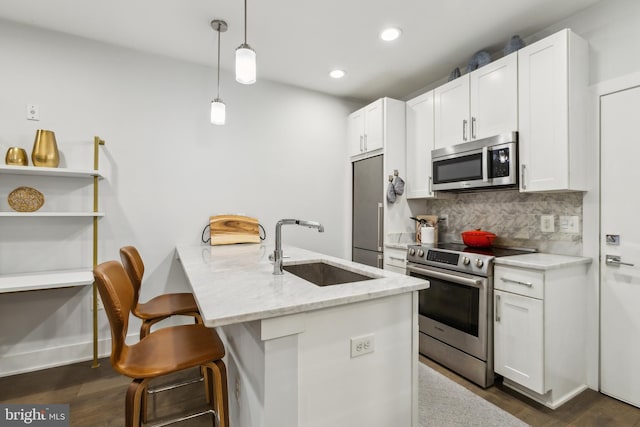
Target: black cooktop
<point x="495" y="251"/>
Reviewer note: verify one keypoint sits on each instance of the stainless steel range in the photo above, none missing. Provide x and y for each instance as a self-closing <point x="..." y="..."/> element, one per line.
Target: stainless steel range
<point x="456" y="311"/>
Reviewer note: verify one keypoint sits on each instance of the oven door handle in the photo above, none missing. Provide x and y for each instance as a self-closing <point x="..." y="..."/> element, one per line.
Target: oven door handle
<point x="444" y="276"/>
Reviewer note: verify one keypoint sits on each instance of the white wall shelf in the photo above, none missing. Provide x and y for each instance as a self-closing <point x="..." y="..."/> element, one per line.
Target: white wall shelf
<point x="55" y="214"/>
<point x="45" y="280"/>
<point x="33" y="279"/>
<point x="42" y="171"/>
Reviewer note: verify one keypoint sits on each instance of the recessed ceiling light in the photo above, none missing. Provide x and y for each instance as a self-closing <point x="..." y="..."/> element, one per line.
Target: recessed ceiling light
<point x="390" y="34"/>
<point x="337" y="74"/>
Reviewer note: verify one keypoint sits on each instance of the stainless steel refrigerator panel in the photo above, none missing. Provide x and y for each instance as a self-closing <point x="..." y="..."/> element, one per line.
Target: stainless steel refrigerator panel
<point x="372" y="258"/>
<point x="367" y="204"/>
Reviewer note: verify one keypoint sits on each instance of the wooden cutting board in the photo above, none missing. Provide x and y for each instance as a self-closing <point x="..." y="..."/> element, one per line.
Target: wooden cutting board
<point x="230" y="229"/>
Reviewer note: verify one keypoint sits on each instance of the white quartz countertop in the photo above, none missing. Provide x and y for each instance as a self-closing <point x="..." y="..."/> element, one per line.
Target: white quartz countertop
<point x="235" y="283"/>
<point x="541" y="261"/>
<point x="399" y="240"/>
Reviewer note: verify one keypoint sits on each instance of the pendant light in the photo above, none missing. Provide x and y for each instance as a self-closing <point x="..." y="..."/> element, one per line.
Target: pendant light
<point x="245" y="58"/>
<point x="218" y="109"/>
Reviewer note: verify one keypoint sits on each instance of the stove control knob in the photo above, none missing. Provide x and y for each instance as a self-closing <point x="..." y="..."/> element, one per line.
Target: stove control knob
<point x="420" y="253"/>
<point x="412" y="251"/>
<point x="479" y="263"/>
<point x="466" y="261"/>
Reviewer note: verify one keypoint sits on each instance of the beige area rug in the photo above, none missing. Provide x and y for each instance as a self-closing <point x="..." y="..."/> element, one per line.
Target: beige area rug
<point x="444" y="403"/>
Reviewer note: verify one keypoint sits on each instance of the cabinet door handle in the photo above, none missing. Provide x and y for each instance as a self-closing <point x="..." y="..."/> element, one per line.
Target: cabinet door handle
<point x="365" y="142"/>
<point x="517" y="282"/>
<point x="361" y="143"/>
<point x="464" y="129"/>
<point x="380" y="261"/>
<point x="473" y="127"/>
<point x="397" y="258"/>
<point x="380" y="226"/>
<point x="430" y="182"/>
<point x="524" y="184"/>
<point x="497" y="308"/>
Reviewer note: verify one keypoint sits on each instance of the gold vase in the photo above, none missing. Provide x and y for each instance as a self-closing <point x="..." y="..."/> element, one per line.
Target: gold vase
<point x="45" y="150"/>
<point x="16" y="157"/>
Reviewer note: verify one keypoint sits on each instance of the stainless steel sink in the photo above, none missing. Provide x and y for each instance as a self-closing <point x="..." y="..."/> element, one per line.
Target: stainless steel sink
<point x="323" y="274"/>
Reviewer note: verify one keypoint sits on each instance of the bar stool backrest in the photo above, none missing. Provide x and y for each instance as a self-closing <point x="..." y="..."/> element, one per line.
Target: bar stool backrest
<point x="133" y="265"/>
<point x="118" y="300"/>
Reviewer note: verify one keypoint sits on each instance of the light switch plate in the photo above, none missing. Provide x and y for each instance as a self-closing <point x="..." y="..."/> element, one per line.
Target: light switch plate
<point x="570" y="224"/>
<point x="547" y="223"/>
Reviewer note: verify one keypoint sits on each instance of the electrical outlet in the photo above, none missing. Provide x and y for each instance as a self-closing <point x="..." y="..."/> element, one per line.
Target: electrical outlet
<point x="237" y="389"/>
<point x="547" y="223"/>
<point x="443" y="219"/>
<point x="33" y="112"/>
<point x="362" y="345"/>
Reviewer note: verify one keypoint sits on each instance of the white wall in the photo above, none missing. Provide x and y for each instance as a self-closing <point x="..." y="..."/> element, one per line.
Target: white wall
<point x="281" y="154"/>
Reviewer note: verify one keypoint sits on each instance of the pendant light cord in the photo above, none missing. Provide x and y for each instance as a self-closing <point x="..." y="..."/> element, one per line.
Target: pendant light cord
<point x="218" y="61"/>
<point x="245" y="21"/>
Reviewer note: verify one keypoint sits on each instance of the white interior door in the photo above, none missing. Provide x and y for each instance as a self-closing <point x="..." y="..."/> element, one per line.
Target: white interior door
<point x="620" y="245"/>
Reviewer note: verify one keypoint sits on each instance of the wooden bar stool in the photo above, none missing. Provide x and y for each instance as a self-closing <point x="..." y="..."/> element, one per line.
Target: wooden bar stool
<point x="159" y="307"/>
<point x="162" y="352"/>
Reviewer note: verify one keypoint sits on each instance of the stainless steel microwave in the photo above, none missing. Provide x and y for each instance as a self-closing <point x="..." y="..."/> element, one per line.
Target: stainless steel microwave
<point x="489" y="162"/>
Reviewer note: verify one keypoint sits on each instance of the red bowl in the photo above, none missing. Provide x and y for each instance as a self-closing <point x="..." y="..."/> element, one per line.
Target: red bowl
<point x="478" y="238"/>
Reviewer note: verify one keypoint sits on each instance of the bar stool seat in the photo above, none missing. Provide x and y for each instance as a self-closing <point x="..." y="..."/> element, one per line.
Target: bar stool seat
<point x="169" y="350"/>
<point x="160" y="307"/>
<point x="160" y="353"/>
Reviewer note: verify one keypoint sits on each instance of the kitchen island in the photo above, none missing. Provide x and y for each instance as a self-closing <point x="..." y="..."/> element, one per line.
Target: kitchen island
<point x="299" y="354"/>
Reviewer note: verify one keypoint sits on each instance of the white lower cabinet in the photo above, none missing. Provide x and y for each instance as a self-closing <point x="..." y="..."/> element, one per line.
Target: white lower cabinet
<point x="395" y="260"/>
<point x="539" y="330"/>
<point x="518" y="340"/>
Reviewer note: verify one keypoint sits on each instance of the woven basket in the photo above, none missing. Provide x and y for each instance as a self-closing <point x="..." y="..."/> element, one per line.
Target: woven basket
<point x="25" y="199"/>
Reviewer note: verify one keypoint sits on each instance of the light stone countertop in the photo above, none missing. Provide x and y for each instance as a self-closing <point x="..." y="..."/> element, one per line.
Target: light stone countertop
<point x="235" y="283"/>
<point x="541" y="261"/>
<point x="399" y="240"/>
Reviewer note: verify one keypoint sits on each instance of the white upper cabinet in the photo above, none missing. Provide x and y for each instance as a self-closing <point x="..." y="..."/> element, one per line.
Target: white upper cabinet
<point x="420" y="142"/>
<point x="355" y="135"/>
<point x="452" y="112"/>
<point x="494" y="98"/>
<point x="477" y="105"/>
<point x="366" y="128"/>
<point x="372" y="128"/>
<point x="553" y="75"/>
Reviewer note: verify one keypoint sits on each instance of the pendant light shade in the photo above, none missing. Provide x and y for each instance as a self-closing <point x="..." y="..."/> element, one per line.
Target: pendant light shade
<point x="245" y="58"/>
<point x="245" y="65"/>
<point x="218" y="109"/>
<point x="218" y="112"/>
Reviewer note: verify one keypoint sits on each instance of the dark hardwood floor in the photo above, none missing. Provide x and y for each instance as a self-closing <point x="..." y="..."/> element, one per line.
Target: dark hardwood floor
<point x="96" y="398"/>
<point x="96" y="395"/>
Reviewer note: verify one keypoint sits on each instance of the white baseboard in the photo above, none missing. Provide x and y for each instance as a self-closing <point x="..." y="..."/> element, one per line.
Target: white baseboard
<point x="50" y="357"/>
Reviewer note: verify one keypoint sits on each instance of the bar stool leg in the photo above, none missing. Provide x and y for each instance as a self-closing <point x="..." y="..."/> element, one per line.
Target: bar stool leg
<point x="219" y="390"/>
<point x="133" y="402"/>
<point x="145" y="404"/>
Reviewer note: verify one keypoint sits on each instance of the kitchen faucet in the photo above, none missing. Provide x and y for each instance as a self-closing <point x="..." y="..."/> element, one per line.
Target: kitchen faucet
<point x="277" y="253"/>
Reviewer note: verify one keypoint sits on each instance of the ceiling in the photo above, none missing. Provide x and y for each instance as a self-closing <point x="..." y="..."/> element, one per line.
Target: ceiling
<point x="299" y="41"/>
